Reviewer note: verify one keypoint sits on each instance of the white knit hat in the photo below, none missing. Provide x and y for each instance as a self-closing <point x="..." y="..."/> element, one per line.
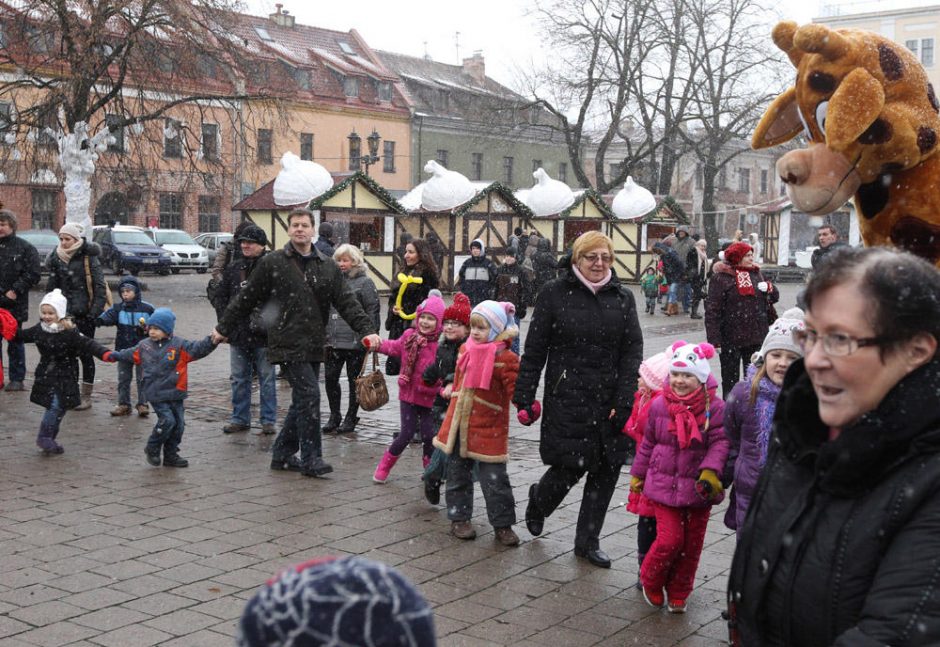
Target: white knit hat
<point x="73" y="229"/>
<point x="780" y="335"/>
<point x="58" y="302"/>
<point x="692" y="359"/>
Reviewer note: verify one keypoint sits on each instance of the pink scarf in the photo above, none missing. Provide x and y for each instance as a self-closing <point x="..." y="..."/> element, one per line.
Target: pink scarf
<point x="413" y="346"/>
<point x="593" y="287"/>
<point x="686" y="413"/>
<point x="476" y="363"/>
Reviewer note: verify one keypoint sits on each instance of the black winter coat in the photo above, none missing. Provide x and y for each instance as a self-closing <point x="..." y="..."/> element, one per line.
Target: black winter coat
<point x="592" y="346"/>
<point x="57" y="371"/>
<point x="443" y="368"/>
<point x="673" y="266"/>
<point x="19" y="271"/>
<point x="70" y="278"/>
<point x="841" y="545"/>
<point x="247" y="333"/>
<point x="733" y="320"/>
<point x="297" y="293"/>
<point x="477" y="279"/>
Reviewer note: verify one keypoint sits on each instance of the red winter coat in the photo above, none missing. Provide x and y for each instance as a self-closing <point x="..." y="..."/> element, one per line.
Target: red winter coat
<point x="8" y="328"/>
<point x="637" y="503"/>
<point x="481" y="416"/>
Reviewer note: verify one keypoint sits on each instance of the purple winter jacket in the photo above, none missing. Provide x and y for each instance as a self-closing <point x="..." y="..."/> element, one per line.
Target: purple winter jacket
<point x="413" y="389"/>
<point x="748" y="451"/>
<point x="669" y="473"/>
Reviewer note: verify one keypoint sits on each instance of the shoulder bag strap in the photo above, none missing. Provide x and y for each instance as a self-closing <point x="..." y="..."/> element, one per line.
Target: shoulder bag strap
<point x="88" y="286"/>
<point x="365" y="363"/>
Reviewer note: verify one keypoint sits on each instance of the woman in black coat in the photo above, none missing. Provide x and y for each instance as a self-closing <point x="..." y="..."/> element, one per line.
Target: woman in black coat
<point x="418" y="263"/>
<point x="841" y="544"/>
<point x="585" y="330"/>
<point x="72" y="266"/>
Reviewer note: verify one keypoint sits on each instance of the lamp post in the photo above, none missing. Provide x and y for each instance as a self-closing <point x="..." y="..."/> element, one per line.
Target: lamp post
<point x="356" y="158"/>
<point x="373" y="156"/>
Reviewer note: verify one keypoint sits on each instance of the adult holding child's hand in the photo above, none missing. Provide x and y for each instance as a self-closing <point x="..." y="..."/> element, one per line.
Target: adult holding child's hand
<point x="585" y="329"/>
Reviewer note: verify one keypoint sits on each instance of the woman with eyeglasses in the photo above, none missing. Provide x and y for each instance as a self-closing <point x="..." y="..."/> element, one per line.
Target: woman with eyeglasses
<point x="841" y="544"/>
<point x="586" y="334"/>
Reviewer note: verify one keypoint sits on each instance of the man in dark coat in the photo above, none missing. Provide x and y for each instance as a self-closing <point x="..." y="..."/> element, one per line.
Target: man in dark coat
<point x="591" y="346"/>
<point x="477" y="277"/>
<point x="324" y="244"/>
<point x="19" y="271"/>
<point x="828" y="243"/>
<point x="682" y="247"/>
<point x="297" y="288"/>
<point x="674" y="271"/>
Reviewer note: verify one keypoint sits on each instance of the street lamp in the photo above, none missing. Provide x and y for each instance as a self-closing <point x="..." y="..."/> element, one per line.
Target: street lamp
<point x="373" y="157"/>
<point x="356" y="158"/>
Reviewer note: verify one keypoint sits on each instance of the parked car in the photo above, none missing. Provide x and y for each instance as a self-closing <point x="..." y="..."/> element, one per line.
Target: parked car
<point x="184" y="252"/>
<point x="129" y="248"/>
<point x="44" y="240"/>
<point x="212" y="241"/>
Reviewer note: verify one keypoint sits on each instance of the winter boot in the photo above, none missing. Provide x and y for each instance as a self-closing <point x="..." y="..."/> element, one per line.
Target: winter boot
<point x="350" y="421"/>
<point x="86" y="396"/>
<point x="143" y="410"/>
<point x="45" y="442"/>
<point x="385" y="466"/>
<point x="695" y="314"/>
<point x="333" y="423"/>
<point x="672" y="309"/>
<point x="121" y="410"/>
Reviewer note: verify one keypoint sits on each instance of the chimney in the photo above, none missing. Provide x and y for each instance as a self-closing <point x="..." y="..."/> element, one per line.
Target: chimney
<point x="281" y="17"/>
<point x="475" y="68"/>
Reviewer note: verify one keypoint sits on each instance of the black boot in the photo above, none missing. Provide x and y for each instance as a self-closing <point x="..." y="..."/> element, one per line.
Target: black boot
<point x="349" y="424"/>
<point x="695" y="314"/>
<point x="333" y="423"/>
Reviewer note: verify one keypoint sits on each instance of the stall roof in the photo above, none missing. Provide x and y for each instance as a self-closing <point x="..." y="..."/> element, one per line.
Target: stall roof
<point x="483" y="191"/>
<point x="374" y="187"/>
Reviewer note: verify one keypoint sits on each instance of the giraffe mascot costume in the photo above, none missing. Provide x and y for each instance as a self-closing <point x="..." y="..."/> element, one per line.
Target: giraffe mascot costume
<point x="871" y="119"/>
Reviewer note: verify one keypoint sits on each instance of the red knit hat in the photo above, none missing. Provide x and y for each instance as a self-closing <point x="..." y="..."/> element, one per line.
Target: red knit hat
<point x="736" y="252"/>
<point x="460" y="310"/>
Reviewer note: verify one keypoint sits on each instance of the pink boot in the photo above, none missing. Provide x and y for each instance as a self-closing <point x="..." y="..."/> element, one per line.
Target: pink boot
<point x="385" y="466"/>
<point x="425" y="461"/>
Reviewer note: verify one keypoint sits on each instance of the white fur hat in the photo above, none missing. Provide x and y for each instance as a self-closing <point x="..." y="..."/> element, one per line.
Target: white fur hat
<point x="58" y="302"/>
<point x="780" y="335"/>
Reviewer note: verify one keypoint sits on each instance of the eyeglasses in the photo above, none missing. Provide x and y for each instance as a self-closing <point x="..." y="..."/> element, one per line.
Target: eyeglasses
<point x="451" y="323"/>
<point x="606" y="259"/>
<point x="835" y="344"/>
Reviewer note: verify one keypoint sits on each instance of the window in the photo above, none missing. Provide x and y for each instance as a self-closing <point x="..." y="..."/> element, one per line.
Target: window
<point x="48" y="121"/>
<point x="764" y="175"/>
<point x="343" y="45"/>
<point x="744" y="180"/>
<point x="723" y="178"/>
<point x="44" y="207"/>
<point x="306" y="146"/>
<point x="388" y="156"/>
<point x="536" y="165"/>
<point x="385" y="91"/>
<point x="172" y="139"/>
<point x="350" y="86"/>
<point x="614" y="170"/>
<point x="476" y="163"/>
<point x="209" y="213"/>
<point x="210" y="142"/>
<point x="783" y="189"/>
<point x="6" y="118"/>
<point x="442" y="157"/>
<point x="926" y="52"/>
<point x="507" y="170"/>
<point x="116" y="131"/>
<point x="911" y="45"/>
<point x="265" y="137"/>
<point x="171" y="211"/>
<point x="699" y="177"/>
<point x="355" y="153"/>
<point x="563" y="171"/>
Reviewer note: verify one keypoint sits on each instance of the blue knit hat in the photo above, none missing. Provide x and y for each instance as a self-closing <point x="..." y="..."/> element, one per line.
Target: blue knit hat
<point x="498" y="314"/>
<point x="164" y="319"/>
<point x="347" y="601"/>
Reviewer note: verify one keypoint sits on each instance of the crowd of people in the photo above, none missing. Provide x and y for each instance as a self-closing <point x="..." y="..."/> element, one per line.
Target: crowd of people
<point x="828" y="448"/>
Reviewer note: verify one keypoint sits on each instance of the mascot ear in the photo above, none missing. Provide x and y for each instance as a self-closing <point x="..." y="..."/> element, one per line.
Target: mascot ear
<point x="854" y="106"/>
<point x="780" y="123"/>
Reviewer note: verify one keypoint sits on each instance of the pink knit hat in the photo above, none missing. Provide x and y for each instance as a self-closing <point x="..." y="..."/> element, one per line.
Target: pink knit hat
<point x="655" y="370"/>
<point x="434" y="306"/>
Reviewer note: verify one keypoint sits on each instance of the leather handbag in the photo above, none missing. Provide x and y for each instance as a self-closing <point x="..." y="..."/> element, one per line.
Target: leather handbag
<point x="371" y="391"/>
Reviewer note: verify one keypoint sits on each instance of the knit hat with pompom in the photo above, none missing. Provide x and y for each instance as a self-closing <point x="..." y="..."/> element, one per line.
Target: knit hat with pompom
<point x="692" y="359"/>
<point x="460" y="310"/>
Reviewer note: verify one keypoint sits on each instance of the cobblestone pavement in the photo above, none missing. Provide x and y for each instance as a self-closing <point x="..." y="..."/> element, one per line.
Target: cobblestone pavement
<point x="99" y="548"/>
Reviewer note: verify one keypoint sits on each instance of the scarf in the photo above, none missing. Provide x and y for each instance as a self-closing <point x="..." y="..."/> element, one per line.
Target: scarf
<point x="593" y="287"/>
<point x="764" y="405"/>
<point x="636" y="424"/>
<point x="702" y="260"/>
<point x="686" y="413"/>
<point x="53" y="328"/>
<point x="66" y="253"/>
<point x="413" y="346"/>
<point x="476" y="363"/>
<point x="743" y="280"/>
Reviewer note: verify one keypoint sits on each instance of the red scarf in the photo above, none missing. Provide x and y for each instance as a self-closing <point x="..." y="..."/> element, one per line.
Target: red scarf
<point x="476" y="363"/>
<point x="743" y="279"/>
<point x="686" y="414"/>
<point x="413" y="346"/>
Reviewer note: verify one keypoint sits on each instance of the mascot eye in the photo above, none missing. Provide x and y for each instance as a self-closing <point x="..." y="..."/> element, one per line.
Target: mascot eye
<point x="821" y="110"/>
<point x="690" y="358"/>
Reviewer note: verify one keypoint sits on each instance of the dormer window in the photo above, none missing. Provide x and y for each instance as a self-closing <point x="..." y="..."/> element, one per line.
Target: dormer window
<point x="263" y="34"/>
<point x="343" y="45"/>
<point x="350" y="86"/>
<point x="384" y="90"/>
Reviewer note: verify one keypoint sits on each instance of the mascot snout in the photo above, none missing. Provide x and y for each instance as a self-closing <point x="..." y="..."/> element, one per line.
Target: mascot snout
<point x="818" y="180"/>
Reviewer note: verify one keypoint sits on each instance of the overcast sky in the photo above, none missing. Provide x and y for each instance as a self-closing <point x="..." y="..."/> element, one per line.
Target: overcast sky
<point x="503" y="29"/>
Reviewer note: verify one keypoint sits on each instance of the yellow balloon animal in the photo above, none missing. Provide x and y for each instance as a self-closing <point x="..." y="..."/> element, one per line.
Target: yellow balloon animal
<point x="405" y="280"/>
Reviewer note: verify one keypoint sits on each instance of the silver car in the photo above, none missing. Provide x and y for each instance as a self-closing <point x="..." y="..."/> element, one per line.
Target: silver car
<point x="212" y="241"/>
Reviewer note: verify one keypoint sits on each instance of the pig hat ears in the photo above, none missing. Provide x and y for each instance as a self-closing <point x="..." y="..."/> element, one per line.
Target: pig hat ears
<point x="692" y="359"/>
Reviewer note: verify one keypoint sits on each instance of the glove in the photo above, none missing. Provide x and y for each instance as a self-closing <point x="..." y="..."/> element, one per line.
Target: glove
<point x="529" y="414"/>
<point x="109" y="357"/>
<point x="708" y="485"/>
<point x="636" y="485"/>
<point x="763" y="286"/>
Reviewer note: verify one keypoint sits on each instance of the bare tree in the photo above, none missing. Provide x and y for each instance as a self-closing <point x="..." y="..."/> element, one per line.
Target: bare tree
<point x="737" y="71"/>
<point x="83" y="74"/>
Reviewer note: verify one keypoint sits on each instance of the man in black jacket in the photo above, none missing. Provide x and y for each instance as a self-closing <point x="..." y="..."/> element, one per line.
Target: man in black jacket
<point x="297" y="288"/>
<point x="19" y="271"/>
<point x="828" y="243"/>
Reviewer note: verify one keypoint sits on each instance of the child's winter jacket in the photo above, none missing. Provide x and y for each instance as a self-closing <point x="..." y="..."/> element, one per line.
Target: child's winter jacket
<point x="57" y="371"/>
<point x="164" y="365"/>
<point x="411" y="388"/>
<point x="8" y="326"/>
<point x="669" y="473"/>
<point x="748" y="451"/>
<point x="441" y="372"/>
<point x="637" y="502"/>
<point x="650" y="283"/>
<point x="482" y="416"/>
<point x="126" y="316"/>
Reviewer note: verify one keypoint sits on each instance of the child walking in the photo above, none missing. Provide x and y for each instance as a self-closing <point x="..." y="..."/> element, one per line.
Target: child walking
<point x="749" y="412"/>
<point x="441" y="372"/>
<point x="653" y="374"/>
<point x="164" y="360"/>
<point x="650" y="284"/>
<point x="683" y="451"/>
<point x="475" y="432"/>
<point x="60" y="345"/>
<point x="416" y="349"/>
<point x="130" y="315"/>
